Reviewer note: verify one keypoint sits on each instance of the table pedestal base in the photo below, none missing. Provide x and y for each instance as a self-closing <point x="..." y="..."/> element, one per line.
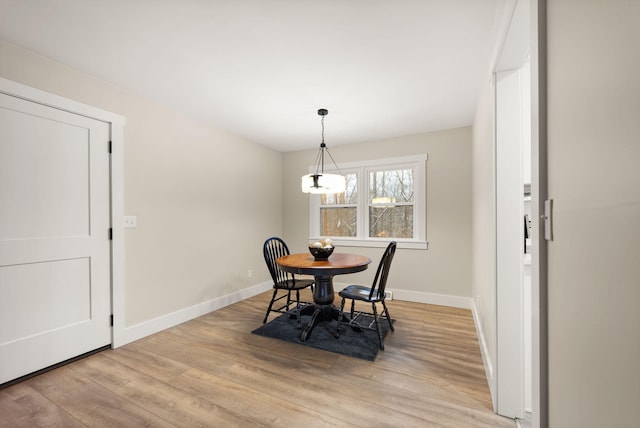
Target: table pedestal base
<point x="319" y="314"/>
<point x="322" y="308"/>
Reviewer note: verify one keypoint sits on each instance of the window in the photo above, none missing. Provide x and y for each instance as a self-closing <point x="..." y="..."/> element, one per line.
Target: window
<point x="384" y="200"/>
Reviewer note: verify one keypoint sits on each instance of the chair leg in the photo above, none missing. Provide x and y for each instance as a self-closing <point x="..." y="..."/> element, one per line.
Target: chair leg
<point x="375" y="318"/>
<point x="273" y="298"/>
<point x="386" y="311"/>
<point x="288" y="299"/>
<point x="340" y="316"/>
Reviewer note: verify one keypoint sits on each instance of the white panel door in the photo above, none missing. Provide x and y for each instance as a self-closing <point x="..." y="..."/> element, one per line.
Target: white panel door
<point x="55" y="284"/>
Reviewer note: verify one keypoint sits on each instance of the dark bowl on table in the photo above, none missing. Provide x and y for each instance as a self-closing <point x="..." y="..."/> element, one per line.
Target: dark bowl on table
<point x="321" y="253"/>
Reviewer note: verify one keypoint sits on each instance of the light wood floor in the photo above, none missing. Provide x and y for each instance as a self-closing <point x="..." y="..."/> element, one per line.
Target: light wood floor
<point x="212" y="371"/>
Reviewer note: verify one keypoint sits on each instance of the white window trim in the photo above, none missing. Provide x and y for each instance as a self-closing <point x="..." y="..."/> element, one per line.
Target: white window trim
<point x="420" y="204"/>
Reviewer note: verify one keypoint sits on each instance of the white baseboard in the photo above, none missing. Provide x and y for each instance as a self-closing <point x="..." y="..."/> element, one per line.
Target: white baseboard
<point x="146" y="328"/>
<point x="486" y="358"/>
<point x="422" y="297"/>
<point x="432" y="298"/>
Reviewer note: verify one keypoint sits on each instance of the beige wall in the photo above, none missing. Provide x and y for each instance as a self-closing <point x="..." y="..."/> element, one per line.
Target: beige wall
<point x="594" y="259"/>
<point x="205" y="200"/>
<point x="445" y="268"/>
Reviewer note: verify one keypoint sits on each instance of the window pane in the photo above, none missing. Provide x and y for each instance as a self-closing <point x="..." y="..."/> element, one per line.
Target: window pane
<point x="350" y="196"/>
<point x="391" y="221"/>
<point x="391" y="186"/>
<point x="338" y="221"/>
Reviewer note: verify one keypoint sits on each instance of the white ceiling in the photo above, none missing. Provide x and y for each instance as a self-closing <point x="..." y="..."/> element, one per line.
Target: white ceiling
<point x="262" y="68"/>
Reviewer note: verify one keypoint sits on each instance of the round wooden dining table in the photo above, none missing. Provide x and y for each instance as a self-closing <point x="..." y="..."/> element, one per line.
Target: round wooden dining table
<point x="323" y="272"/>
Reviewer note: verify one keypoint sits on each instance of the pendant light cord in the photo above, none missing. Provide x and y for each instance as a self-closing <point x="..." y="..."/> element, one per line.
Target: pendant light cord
<point x="320" y="156"/>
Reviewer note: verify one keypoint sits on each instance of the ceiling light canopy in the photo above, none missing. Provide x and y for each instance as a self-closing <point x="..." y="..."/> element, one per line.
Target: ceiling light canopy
<point x="321" y="182"/>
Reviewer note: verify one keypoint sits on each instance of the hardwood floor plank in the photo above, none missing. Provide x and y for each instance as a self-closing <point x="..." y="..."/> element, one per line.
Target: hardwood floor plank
<point x="211" y="371"/>
<point x="148" y="362"/>
<point x="265" y="407"/>
<point x="160" y="398"/>
<point x="91" y="403"/>
<point x="23" y="406"/>
<point x="314" y="393"/>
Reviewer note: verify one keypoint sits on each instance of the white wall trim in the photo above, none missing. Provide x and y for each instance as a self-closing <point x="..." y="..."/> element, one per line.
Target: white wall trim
<point x="484" y="351"/>
<point x="423" y="297"/>
<point x="147" y="328"/>
<point x="56" y="101"/>
<point x="116" y="124"/>
<point x="432" y="298"/>
<point x="117" y="243"/>
<point x="418" y="163"/>
<point x="511" y="127"/>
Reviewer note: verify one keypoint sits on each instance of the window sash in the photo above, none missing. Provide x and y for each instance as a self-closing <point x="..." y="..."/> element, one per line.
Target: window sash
<point x="364" y="204"/>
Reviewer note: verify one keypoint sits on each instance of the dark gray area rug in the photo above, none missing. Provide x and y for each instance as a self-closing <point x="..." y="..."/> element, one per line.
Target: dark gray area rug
<point x="353" y="342"/>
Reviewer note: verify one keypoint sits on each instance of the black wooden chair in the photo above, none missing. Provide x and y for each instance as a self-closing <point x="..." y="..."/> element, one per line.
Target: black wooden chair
<point x="273" y="248"/>
<point x="374" y="294"/>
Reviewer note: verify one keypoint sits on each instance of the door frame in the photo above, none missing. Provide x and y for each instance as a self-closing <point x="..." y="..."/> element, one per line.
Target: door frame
<point x="537" y="39"/>
<point x="509" y="142"/>
<point x="116" y="183"/>
<point x="539" y="193"/>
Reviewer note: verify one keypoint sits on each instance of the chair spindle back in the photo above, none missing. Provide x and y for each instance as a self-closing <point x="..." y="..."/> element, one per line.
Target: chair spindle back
<point x="273" y="248"/>
<point x="380" y="280"/>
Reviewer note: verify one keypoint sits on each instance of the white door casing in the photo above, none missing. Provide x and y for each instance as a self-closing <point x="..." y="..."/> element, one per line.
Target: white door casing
<point x="55" y="253"/>
<point x="509" y="244"/>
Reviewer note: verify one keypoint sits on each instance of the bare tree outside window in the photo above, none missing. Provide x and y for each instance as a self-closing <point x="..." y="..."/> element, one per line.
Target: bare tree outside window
<point x="384" y="199"/>
<point x="391" y="203"/>
<point x="339" y="211"/>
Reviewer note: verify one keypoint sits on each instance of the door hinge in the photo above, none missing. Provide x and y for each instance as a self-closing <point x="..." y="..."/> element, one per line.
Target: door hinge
<point x="111" y="320"/>
<point x="110" y="147"/>
<point x="547" y="218"/>
<point x="111" y="234"/>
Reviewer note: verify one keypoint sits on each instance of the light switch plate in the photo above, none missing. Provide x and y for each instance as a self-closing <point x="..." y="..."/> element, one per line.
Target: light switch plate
<point x="130" y="222"/>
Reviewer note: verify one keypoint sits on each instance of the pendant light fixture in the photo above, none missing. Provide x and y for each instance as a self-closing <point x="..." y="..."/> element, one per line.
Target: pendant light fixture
<point x="320" y="182"/>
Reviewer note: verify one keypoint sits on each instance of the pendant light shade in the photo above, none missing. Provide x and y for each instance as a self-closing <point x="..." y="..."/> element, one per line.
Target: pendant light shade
<point x="323" y="183"/>
<point x="320" y="182"/>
